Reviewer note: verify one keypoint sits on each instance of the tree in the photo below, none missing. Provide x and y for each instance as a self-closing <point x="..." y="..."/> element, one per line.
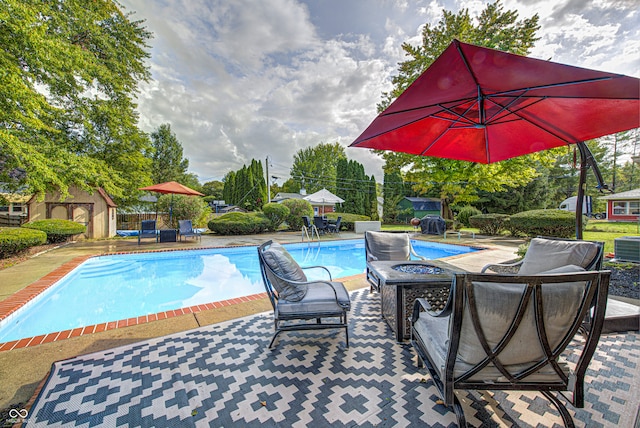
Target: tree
<point x="458" y="181"/>
<point x="214" y="189"/>
<point x="392" y="192"/>
<point x="166" y="156"/>
<point x="314" y="168"/>
<point x="373" y="199"/>
<point x="246" y="187"/>
<point x="70" y="71"/>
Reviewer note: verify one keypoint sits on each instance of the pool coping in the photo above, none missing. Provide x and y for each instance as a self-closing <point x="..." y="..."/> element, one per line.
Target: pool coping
<point x="21" y="298"/>
<point x="24" y="296"/>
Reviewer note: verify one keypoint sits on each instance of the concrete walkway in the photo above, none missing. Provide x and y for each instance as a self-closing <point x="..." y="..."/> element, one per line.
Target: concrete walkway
<point x="21" y="370"/>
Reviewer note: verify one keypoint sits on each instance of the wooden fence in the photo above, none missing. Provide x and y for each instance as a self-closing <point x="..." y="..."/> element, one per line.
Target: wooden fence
<point x="133" y="221"/>
<point x="12" y="220"/>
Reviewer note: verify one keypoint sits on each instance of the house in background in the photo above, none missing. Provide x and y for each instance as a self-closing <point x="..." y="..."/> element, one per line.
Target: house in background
<point x="623" y="206"/>
<point x="283" y="196"/>
<point x="323" y="201"/>
<point x="96" y="211"/>
<point x="410" y="207"/>
<point x="13" y="209"/>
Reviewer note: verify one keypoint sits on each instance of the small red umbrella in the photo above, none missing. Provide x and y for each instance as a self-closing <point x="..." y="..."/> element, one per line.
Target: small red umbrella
<point x="483" y="105"/>
<point x="172" y="187"/>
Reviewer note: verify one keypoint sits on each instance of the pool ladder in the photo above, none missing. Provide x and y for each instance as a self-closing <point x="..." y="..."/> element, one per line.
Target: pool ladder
<point x="305" y="232"/>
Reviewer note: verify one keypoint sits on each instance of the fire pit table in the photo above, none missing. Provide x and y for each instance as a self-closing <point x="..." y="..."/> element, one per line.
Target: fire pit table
<point x="402" y="282"/>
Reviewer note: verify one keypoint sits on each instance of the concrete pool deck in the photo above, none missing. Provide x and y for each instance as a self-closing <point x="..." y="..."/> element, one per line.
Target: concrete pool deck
<point x="22" y="369"/>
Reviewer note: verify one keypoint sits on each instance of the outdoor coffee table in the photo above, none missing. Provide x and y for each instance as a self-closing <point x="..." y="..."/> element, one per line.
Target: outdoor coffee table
<point x="402" y="282"/>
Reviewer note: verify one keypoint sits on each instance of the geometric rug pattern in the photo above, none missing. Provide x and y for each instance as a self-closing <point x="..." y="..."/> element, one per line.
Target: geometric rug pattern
<point x="224" y="375"/>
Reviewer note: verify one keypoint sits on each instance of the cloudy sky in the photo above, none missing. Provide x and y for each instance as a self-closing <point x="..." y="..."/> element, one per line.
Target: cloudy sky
<point x="243" y="79"/>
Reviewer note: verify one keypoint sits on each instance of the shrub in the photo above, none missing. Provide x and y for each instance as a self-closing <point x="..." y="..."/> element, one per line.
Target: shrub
<point x="276" y="213"/>
<point x="558" y="223"/>
<point x="348" y="221"/>
<point x="57" y="230"/>
<point x="465" y="213"/>
<point x="240" y="224"/>
<point x="297" y="209"/>
<point x="183" y="207"/>
<point x="489" y="224"/>
<point x="14" y="240"/>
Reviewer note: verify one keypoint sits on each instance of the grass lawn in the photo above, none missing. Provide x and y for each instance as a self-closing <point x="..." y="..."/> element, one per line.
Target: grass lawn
<point x="596" y="230"/>
<point x="602" y="230"/>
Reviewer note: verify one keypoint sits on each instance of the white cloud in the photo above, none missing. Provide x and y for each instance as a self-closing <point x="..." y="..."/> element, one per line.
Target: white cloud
<point x="243" y="79"/>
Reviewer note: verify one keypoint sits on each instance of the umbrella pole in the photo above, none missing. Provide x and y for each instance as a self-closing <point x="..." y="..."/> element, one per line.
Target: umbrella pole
<point x="586" y="160"/>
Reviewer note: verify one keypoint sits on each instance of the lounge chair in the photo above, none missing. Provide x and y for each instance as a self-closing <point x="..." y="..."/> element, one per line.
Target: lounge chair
<point x="294" y="298"/>
<point x="385" y="246"/>
<point x="335" y="227"/>
<point x="507" y="332"/>
<point x="186" y="230"/>
<point x="148" y="230"/>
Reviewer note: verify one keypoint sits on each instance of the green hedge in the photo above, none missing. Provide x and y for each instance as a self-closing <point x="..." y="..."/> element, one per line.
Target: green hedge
<point x="57" y="230"/>
<point x="14" y="240"/>
<point x="276" y="213"/>
<point x="297" y="209"/>
<point x="240" y="224"/>
<point x="466" y="213"/>
<point x="489" y="224"/>
<point x="348" y="221"/>
<point x="558" y="223"/>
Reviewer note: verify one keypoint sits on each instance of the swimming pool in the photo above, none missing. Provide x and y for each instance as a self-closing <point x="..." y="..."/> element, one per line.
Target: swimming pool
<point x="118" y="287"/>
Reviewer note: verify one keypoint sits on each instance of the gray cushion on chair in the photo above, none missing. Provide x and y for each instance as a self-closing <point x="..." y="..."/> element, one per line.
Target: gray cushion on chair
<point x="281" y="262"/>
<point x="388" y="246"/>
<point x="319" y="299"/>
<point x="497" y="304"/>
<point x="546" y="254"/>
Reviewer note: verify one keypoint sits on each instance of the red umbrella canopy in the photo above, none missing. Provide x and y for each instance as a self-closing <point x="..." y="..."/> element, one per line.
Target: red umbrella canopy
<point x="483" y="105"/>
<point x="172" y="187"/>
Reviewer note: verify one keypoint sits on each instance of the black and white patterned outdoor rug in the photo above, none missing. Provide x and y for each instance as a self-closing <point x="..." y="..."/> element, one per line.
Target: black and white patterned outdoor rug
<point x="223" y="375"/>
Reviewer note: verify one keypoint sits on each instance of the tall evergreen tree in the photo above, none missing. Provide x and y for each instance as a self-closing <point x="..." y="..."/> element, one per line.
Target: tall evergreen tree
<point x="373" y="199"/>
<point x="228" y="191"/>
<point x="167" y="163"/>
<point x="392" y="192"/>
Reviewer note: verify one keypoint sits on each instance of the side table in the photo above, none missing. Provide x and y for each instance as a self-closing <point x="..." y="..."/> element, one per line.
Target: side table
<point x="402" y="282"/>
<point x="168" y="235"/>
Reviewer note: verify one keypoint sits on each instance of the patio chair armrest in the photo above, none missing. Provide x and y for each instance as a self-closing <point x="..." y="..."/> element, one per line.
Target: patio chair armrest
<point x="321" y="267"/>
<point x="422" y="305"/>
<point x="512" y="267"/>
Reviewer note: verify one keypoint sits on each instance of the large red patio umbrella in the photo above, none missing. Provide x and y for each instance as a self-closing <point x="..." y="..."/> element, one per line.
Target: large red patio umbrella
<point x="483" y="105"/>
<point x="172" y="187"/>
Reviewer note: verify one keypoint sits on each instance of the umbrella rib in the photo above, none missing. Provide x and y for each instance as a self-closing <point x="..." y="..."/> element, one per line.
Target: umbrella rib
<point x="553" y="85"/>
<point x="494" y="118"/>
<point x="453" y="122"/>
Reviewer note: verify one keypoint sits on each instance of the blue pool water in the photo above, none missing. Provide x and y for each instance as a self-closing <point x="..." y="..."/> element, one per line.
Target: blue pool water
<point x="111" y="288"/>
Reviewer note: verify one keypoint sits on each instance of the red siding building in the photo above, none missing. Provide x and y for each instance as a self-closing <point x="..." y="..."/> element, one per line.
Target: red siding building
<point x="623" y="206"/>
